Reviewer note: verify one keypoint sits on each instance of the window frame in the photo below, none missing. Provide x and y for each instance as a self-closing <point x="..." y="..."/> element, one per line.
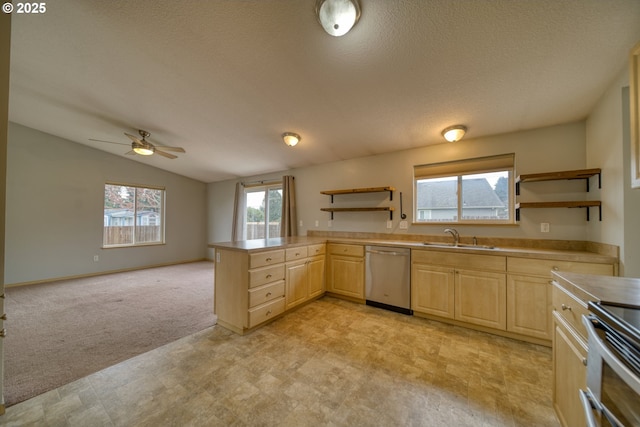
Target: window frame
<point x="162" y="216"/>
<point x="264" y="187"/>
<point x="457" y="170"/>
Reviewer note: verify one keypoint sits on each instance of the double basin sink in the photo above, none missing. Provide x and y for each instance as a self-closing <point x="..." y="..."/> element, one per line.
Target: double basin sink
<point x="459" y="245"/>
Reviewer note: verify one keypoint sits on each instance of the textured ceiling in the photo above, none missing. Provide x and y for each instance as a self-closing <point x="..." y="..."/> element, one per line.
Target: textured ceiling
<point x="225" y="78"/>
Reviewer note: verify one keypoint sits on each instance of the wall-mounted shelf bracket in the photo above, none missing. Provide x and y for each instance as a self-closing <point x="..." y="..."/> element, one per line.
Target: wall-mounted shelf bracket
<point x="359" y="190"/>
<point x="579" y="204"/>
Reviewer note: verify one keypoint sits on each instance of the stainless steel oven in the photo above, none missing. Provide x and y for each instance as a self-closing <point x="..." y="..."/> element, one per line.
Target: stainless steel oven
<point x="612" y="397"/>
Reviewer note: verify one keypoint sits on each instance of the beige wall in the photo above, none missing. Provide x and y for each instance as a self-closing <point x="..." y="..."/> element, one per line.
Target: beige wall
<point x="540" y="150"/>
<point x="55" y="196"/>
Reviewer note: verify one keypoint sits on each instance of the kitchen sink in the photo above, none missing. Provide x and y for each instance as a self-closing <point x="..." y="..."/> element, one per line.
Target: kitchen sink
<point x="459" y="245"/>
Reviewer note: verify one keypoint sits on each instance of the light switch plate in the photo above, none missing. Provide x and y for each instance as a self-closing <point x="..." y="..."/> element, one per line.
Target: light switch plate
<point x="544" y="227"/>
<point x="389" y="224"/>
<point x="404" y="225"/>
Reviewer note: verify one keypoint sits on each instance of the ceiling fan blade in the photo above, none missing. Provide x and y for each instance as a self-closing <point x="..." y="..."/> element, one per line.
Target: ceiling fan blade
<point x="134" y="138"/>
<point x="167" y="155"/>
<point x="109" y="142"/>
<point x="176" y="149"/>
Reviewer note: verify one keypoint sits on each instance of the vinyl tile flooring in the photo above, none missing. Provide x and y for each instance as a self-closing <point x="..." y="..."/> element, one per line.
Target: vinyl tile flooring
<point x="331" y="362"/>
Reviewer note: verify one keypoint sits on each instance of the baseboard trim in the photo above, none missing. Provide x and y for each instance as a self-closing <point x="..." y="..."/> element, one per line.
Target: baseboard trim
<point x="102" y="273"/>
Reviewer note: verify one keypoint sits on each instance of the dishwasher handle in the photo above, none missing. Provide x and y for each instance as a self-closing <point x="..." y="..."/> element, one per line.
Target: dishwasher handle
<point x="393" y="253"/>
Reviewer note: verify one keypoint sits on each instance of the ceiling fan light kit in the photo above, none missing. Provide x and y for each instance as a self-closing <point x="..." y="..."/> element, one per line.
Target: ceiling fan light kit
<point x="454" y="133"/>
<point x="144" y="147"/>
<point x="337" y="17"/>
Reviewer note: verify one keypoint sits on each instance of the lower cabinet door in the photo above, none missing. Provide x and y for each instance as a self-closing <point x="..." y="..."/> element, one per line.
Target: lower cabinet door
<point x="481" y="298"/>
<point x="529" y="306"/>
<point x="569" y="374"/>
<point x="315" y="276"/>
<point x="432" y="290"/>
<point x="296" y="283"/>
<point x="346" y="275"/>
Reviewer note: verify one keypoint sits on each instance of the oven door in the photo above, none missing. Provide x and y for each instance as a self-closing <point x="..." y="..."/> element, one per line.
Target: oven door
<point x="612" y="397"/>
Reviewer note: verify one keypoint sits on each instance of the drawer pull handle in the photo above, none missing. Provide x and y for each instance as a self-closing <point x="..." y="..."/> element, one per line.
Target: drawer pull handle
<point x="565" y="307"/>
<point x="268" y="259"/>
<point x="584" y="361"/>
<point x="297" y="253"/>
<point x="555" y="268"/>
<point x="269" y="313"/>
<point x="268" y="294"/>
<point x="268" y="276"/>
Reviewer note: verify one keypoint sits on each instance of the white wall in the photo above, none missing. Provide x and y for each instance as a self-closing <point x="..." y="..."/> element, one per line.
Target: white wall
<point x="541" y="150"/>
<point x="608" y="146"/>
<point x="54" y="216"/>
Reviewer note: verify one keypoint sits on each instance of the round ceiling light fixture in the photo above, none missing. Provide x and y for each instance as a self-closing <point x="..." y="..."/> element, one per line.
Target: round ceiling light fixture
<point x="337" y="17"/>
<point x="454" y="133"/>
<point x="291" y="139"/>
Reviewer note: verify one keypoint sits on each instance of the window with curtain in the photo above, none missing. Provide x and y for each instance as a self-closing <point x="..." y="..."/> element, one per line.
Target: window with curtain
<point x="478" y="190"/>
<point x="133" y="215"/>
<point x="263" y="214"/>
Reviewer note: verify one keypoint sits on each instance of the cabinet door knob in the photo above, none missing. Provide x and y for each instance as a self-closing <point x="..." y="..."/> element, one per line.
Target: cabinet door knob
<point x="565" y="307"/>
<point x="268" y="276"/>
<point x="269" y="313"/>
<point x="268" y="259"/>
<point x="268" y="294"/>
<point x="584" y="361"/>
<point x="555" y="268"/>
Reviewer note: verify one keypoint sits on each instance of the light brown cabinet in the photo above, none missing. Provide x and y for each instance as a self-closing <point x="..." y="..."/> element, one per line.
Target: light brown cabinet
<point x="432" y="290"/>
<point x="569" y="356"/>
<point x="345" y="270"/>
<point x="481" y="298"/>
<point x="470" y="288"/>
<point x="252" y="288"/>
<point x="304" y="276"/>
<point x="529" y="292"/>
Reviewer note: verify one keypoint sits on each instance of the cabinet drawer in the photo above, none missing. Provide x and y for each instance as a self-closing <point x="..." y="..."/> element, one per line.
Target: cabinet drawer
<point x="265" y="312"/>
<point x="266" y="293"/>
<point x="570" y="309"/>
<point x="342" y="249"/>
<point x="261" y="259"/>
<point x="318" y="249"/>
<point x="543" y="267"/>
<point x="452" y="259"/>
<point x="293" y="254"/>
<point x="265" y="275"/>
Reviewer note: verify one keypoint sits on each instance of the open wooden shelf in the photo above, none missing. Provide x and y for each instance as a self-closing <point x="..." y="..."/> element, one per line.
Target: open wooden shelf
<point x="555" y="176"/>
<point x="384" y="208"/>
<point x="574" y="204"/>
<point x="360" y="190"/>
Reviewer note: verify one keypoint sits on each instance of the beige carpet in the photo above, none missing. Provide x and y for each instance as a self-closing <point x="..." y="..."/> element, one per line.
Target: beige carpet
<point x="61" y="331"/>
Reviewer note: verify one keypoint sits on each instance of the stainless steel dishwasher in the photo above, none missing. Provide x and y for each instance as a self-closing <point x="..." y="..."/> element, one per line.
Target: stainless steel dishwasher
<point x="387" y="278"/>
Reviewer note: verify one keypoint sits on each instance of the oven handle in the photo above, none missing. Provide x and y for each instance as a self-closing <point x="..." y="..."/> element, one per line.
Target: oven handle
<point x="588" y="404"/>
<point x="596" y="344"/>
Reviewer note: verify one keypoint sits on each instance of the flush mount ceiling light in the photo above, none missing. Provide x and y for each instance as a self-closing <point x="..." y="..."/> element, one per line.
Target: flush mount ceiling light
<point x="337" y="17"/>
<point x="454" y="133"/>
<point x="291" y="139"/>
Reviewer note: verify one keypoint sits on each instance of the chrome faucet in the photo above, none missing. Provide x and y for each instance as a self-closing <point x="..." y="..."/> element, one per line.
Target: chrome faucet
<point x="455" y="234"/>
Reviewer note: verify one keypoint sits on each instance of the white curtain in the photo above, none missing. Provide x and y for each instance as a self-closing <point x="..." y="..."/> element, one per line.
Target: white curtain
<point x="237" y="231"/>
<point x="289" y="216"/>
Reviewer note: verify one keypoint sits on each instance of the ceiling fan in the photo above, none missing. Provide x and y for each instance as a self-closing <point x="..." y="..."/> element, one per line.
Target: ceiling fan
<point x="144" y="147"/>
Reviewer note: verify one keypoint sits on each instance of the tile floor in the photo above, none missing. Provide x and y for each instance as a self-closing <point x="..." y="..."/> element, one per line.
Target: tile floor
<point x="330" y="362"/>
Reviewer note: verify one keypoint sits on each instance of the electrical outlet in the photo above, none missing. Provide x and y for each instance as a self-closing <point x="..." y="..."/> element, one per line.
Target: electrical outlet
<point x="329" y="223"/>
<point x="317" y="223"/>
<point x="300" y="223"/>
<point x="404" y="225"/>
<point x="96" y="258"/>
<point x="544" y="227"/>
<point x="389" y="224"/>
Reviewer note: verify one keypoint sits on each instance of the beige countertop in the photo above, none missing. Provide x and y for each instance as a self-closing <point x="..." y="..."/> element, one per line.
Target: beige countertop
<point x="587" y="287"/>
<point x="258" y="245"/>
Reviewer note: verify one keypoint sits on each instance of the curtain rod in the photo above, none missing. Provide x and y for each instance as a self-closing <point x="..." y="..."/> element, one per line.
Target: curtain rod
<point x="258" y="183"/>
